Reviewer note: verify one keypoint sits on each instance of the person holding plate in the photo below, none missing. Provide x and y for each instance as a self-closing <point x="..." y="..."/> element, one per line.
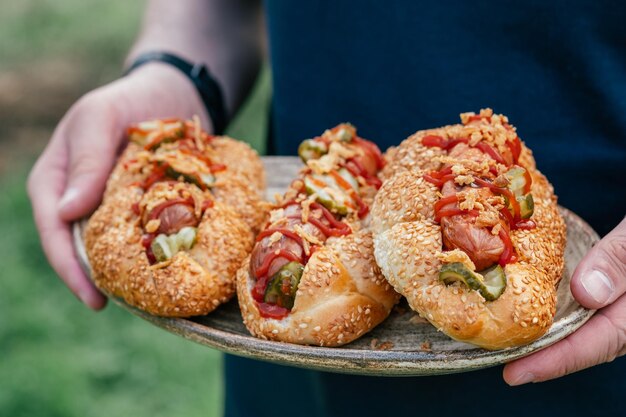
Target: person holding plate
<point x="556" y="69"/>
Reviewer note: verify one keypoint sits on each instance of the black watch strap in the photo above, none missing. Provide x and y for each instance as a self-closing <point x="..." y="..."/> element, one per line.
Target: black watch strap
<point x="201" y="78"/>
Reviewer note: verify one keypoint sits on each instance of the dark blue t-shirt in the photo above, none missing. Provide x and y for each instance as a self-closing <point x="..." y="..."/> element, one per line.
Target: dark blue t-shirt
<point x="557" y="69"/>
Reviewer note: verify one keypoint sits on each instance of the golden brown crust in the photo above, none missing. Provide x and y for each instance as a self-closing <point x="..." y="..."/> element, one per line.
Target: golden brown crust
<point x="319" y="226"/>
<point x="194" y="281"/>
<point x="341" y="296"/>
<point x="241" y="185"/>
<point x="408" y="241"/>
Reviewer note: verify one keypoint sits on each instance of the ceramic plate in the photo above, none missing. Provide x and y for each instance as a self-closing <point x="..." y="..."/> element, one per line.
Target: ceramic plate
<point x="404" y="344"/>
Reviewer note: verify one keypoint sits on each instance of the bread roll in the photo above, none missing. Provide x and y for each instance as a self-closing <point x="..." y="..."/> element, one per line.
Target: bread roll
<point x="177" y="219"/>
<point x="312" y="278"/>
<point x="421" y="241"/>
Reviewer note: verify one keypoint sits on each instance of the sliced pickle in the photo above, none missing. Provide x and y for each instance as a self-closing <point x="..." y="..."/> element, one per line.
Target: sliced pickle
<point x="164" y="247"/>
<point x="517" y="180"/>
<point x="336" y="202"/>
<point x="161" y="248"/>
<point x="282" y="287"/>
<point x="311" y="149"/>
<point x="490" y="283"/>
<point x="526" y="206"/>
<point x="202" y="181"/>
<point x="185" y="238"/>
<point x="345" y="133"/>
<point x="494" y="279"/>
<point x="347" y="175"/>
<point x="151" y="129"/>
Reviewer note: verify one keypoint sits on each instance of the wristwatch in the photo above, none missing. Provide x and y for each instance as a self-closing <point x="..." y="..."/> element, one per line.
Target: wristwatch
<point x="199" y="75"/>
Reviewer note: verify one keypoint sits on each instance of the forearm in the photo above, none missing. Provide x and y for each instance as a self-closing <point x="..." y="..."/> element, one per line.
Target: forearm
<point x="226" y="35"/>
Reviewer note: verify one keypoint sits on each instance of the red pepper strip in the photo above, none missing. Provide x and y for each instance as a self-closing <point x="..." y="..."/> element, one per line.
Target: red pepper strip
<point x="135" y="208"/>
<point x="432" y="141"/>
<point x="154" y="142"/>
<point x="372" y="149"/>
<point x="196" y="154"/>
<point x="135" y="129"/>
<point x="477" y="117"/>
<point x="453" y="142"/>
<point x="358" y="170"/>
<point x="441" y="173"/>
<point x="439" y="182"/>
<point x="341" y="181"/>
<point x="156" y="211"/>
<point x="436" y="177"/>
<point x="157" y="174"/>
<point x="439" y="142"/>
<point x="363" y="208"/>
<point x="265" y="266"/>
<point x="515" y="146"/>
<point x="272" y="311"/>
<point x="286" y="232"/>
<point x="506" y="213"/>
<point x="508" y="254"/>
<point x="488" y="149"/>
<point x="444" y="201"/>
<point x="502" y="191"/>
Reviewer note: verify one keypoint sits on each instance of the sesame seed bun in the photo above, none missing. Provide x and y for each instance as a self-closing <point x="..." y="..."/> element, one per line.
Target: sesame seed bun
<point x="408" y="241"/>
<point x="341" y="296"/>
<point x="194" y="281"/>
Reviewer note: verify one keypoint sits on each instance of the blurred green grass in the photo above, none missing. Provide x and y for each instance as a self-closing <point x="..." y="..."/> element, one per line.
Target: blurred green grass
<point x="57" y="357"/>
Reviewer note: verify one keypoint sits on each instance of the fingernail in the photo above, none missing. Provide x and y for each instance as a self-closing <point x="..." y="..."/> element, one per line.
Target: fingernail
<point x="524" y="379"/>
<point x="70" y="195"/>
<point x="598" y="286"/>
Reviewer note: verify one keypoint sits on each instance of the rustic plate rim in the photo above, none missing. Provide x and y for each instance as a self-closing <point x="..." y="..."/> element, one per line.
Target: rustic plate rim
<point x="355" y="361"/>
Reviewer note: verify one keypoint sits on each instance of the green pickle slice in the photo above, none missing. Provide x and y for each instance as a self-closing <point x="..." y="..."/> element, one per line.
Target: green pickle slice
<point x="526" y="206"/>
<point x="282" y="287"/>
<point x="490" y="283"/>
<point x="311" y="149"/>
<point x="164" y="247"/>
<point x="323" y="197"/>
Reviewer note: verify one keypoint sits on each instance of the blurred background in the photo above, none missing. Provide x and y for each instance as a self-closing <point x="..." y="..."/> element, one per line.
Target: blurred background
<point x="57" y="358"/>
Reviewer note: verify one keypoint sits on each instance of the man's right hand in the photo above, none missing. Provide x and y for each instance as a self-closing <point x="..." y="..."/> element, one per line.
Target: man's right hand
<point x="68" y="179"/>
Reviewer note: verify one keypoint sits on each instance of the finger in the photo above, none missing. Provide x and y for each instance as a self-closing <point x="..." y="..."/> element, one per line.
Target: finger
<point x="600" y="340"/>
<point x="93" y="138"/>
<point x="600" y="277"/>
<point x="45" y="185"/>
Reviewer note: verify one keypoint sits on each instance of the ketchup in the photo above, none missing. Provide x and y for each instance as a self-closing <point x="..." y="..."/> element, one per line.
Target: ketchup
<point x="327" y="223"/>
<point x="439" y="178"/>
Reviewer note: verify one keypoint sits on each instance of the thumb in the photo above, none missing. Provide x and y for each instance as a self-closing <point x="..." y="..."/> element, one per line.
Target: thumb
<point x="600" y="277"/>
<point x="92" y="143"/>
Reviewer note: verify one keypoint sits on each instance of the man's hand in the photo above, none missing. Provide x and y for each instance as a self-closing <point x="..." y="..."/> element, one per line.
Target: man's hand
<point x="68" y="180"/>
<point x="599" y="282"/>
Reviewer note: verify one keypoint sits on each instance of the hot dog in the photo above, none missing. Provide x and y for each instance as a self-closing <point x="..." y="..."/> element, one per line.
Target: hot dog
<point x="311" y="277"/>
<point x="177" y="218"/>
<point x="468" y="230"/>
